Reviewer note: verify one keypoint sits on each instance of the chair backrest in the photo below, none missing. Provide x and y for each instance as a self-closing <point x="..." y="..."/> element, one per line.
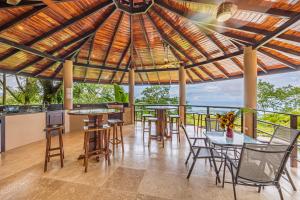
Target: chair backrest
<point x="212" y="124"/>
<point x="188" y="139"/>
<point x="262" y="163"/>
<point x="284" y="135"/>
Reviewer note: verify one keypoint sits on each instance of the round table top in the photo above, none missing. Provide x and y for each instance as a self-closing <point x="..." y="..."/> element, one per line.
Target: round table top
<point x="166" y="107"/>
<point x="98" y="111"/>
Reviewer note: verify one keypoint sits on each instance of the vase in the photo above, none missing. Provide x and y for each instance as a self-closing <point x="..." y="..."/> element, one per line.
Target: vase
<point x="229" y="133"/>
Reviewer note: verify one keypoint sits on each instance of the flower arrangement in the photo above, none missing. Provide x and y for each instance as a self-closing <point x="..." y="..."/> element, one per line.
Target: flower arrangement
<point x="227" y="121"/>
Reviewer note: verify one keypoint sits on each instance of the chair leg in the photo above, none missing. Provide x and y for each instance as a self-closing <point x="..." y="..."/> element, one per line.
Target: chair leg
<point x="46" y="153"/>
<point x="107" y="136"/>
<point x="149" y="138"/>
<point x="61" y="150"/>
<point x="162" y="136"/>
<point x="224" y="173"/>
<point x="187" y="159"/>
<point x="233" y="184"/>
<point x="121" y="134"/>
<point x="279" y="191"/>
<point x="178" y="129"/>
<point x="193" y="164"/>
<point x="290" y="179"/>
<point x="86" y="153"/>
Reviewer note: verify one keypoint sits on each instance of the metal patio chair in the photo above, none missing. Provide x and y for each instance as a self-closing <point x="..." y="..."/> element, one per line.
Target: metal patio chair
<point x="284" y="135"/>
<point x="201" y="152"/>
<point x="259" y="165"/>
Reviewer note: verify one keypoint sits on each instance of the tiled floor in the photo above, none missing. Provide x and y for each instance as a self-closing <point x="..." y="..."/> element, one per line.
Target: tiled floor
<point x="141" y="173"/>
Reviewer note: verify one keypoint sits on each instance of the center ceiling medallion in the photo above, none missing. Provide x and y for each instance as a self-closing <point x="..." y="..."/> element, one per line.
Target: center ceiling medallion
<point x="134" y="6"/>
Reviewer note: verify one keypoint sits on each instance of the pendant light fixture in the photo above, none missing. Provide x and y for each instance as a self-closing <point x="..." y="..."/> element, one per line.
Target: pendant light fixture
<point x="225" y="11"/>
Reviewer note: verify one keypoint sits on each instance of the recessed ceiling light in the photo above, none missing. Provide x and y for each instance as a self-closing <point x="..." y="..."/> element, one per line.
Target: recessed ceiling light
<point x="226" y="11"/>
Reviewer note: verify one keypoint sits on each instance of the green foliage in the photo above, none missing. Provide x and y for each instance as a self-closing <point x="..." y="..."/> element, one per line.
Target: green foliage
<point x="92" y="93"/>
<point x="120" y="95"/>
<point x="51" y="91"/>
<point x="283" y="99"/>
<point x="157" y="95"/>
<point x="26" y="93"/>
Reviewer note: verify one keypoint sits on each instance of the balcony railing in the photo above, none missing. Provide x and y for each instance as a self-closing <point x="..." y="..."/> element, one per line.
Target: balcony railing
<point x="264" y="126"/>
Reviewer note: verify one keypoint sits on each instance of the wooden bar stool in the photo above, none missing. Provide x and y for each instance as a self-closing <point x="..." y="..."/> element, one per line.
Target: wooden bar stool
<point x="144" y="120"/>
<point x="51" y="131"/>
<point x="115" y="141"/>
<point x="174" y="120"/>
<point x="156" y="136"/>
<point x="102" y="143"/>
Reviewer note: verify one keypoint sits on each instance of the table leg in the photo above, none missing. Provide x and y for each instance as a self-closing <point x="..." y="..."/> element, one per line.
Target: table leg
<point x="93" y="143"/>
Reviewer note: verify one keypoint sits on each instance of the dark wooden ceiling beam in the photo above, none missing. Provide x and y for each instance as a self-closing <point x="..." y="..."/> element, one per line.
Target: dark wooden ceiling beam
<point x="176" y="29"/>
<point x="121" y="60"/>
<point x="71" y="42"/>
<point x="279" y="59"/>
<point x="141" y="20"/>
<point x="113" y="37"/>
<point x="244" y="5"/>
<point x="25" y="3"/>
<point x="59" y="28"/>
<point x="111" y="42"/>
<point x="127" y="67"/>
<point x="200" y="76"/>
<point x="173" y="45"/>
<point x="280" y="30"/>
<point x="29" y="50"/>
<point x="142" y="65"/>
<point x="91" y="47"/>
<point x="66" y="55"/>
<point x="222" y="69"/>
<point x="21" y="18"/>
<point x="283" y="49"/>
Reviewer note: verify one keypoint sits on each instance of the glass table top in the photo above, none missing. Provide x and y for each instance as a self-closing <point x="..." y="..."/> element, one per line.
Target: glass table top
<point x="98" y="111"/>
<point x="220" y="139"/>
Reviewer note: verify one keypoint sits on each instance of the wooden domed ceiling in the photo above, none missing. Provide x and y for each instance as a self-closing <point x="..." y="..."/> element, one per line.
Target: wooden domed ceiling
<point x="105" y="38"/>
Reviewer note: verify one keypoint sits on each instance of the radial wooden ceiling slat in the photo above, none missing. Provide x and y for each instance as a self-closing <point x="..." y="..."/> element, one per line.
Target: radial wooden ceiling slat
<point x="60" y="27"/>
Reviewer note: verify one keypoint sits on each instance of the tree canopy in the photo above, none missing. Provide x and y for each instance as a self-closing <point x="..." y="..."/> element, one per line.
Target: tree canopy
<point x="157" y="95"/>
<point x="284" y="99"/>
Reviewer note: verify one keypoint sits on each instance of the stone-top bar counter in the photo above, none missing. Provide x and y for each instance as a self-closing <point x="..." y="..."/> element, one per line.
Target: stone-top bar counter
<point x="22" y="125"/>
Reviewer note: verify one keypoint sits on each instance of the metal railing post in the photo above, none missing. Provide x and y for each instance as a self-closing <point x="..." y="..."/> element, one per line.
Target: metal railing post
<point x="293" y="125"/>
<point x="242" y="120"/>
<point x="254" y="124"/>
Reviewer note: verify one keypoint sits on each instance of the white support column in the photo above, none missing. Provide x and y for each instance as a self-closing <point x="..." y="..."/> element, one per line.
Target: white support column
<point x="131" y="92"/>
<point x="182" y="92"/>
<point x="68" y="84"/>
<point x="250" y="85"/>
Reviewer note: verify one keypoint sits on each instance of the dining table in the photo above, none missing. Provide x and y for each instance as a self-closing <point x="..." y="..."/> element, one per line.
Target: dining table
<point x="96" y="119"/>
<point x="161" y="114"/>
<point x="226" y="145"/>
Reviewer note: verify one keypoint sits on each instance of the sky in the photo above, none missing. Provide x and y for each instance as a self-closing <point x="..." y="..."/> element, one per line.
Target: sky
<point x="227" y="92"/>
